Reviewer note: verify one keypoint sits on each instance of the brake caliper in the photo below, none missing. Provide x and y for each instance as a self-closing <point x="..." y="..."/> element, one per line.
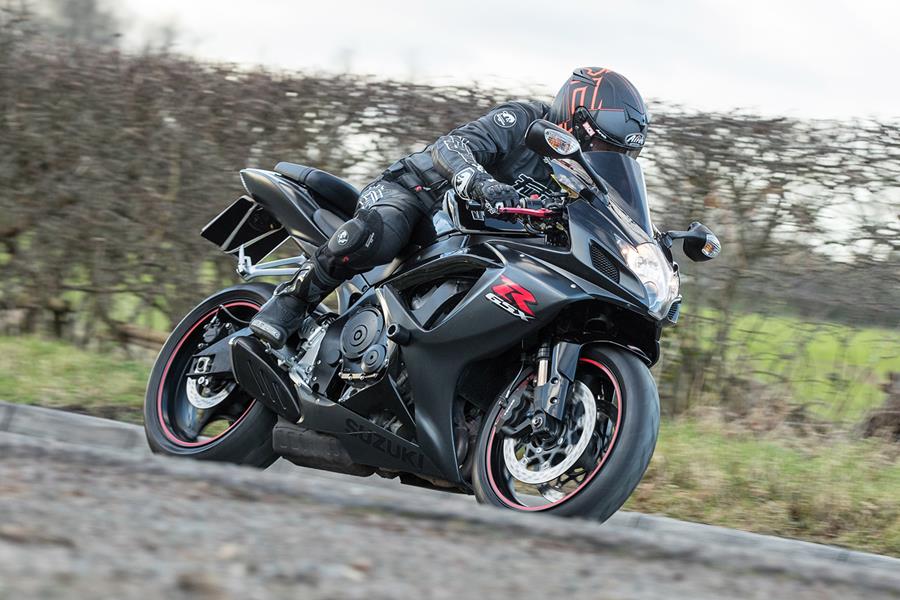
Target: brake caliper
<point x="516" y="418"/>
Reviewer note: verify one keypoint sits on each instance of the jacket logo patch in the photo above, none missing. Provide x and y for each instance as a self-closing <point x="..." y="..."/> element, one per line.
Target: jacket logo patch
<point x="343" y="236"/>
<point x="530" y="186"/>
<point x="513" y="298"/>
<point x="505" y="118"/>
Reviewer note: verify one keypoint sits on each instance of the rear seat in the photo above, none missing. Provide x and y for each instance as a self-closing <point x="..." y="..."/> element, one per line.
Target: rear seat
<point x="340" y="196"/>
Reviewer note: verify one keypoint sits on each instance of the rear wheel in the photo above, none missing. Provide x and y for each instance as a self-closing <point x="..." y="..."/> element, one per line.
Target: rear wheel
<point x="208" y="418"/>
<point x="595" y="463"/>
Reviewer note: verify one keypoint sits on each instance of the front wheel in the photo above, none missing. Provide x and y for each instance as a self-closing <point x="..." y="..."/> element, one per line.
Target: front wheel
<point x="208" y="418"/>
<point x="605" y="444"/>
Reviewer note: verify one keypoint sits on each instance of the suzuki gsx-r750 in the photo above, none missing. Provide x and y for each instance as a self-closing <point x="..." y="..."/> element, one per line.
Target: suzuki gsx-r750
<point x="509" y="359"/>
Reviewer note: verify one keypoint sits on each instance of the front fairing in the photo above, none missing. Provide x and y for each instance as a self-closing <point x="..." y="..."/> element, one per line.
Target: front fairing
<point x="600" y="228"/>
<point x="627" y="190"/>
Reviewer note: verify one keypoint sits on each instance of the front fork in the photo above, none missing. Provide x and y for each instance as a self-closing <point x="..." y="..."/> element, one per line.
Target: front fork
<point x="556" y="366"/>
<point x="555" y="375"/>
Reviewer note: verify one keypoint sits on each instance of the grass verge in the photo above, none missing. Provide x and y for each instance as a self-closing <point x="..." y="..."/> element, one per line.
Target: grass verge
<point x="830" y="489"/>
<point x="58" y="375"/>
<point x="823" y="488"/>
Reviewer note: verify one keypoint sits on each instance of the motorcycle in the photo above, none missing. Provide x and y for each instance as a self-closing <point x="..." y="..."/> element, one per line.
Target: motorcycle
<point x="510" y="358"/>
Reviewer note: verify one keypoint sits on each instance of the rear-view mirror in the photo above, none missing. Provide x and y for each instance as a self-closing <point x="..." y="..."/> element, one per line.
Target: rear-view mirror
<point x="546" y="139"/>
<point x="700" y="243"/>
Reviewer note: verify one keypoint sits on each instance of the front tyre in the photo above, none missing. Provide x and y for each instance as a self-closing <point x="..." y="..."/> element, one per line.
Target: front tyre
<point x="211" y="420"/>
<point x="607" y="441"/>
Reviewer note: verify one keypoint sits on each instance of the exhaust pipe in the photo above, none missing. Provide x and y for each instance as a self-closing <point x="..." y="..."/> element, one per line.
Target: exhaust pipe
<point x="272" y="387"/>
<point x="308" y="448"/>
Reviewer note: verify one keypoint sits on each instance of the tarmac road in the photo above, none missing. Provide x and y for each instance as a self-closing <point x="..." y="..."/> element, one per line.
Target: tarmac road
<point x="87" y="523"/>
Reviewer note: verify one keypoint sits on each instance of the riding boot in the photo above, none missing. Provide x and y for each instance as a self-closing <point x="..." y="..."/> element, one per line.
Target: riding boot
<point x="293" y="300"/>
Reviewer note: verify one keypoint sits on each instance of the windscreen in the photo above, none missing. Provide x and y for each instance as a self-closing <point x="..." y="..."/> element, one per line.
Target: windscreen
<point x="625" y="180"/>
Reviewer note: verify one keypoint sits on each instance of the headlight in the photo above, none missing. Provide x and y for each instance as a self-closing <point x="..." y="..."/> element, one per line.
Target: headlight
<point x="649" y="265"/>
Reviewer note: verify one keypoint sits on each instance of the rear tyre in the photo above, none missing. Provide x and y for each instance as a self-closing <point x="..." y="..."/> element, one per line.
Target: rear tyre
<point x="237" y="429"/>
<point x="611" y="428"/>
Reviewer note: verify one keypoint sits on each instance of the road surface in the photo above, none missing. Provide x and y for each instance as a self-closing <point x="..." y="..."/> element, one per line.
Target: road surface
<point x="87" y="523"/>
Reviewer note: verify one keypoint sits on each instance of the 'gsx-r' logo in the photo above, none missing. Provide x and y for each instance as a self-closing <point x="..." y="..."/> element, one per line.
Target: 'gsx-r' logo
<point x="513" y="298"/>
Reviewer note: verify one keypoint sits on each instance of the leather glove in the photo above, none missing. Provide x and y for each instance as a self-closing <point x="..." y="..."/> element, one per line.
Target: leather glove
<point x="493" y="193"/>
<point x="480" y="189"/>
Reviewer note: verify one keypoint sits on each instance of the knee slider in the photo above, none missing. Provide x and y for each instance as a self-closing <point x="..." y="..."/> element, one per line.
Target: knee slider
<point x="358" y="238"/>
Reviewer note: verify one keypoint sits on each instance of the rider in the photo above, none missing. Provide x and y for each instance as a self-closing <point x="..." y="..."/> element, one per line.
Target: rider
<point x="485" y="161"/>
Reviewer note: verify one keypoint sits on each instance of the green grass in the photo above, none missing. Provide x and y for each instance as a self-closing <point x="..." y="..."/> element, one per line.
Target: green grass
<point x="827" y="488"/>
<point x="836" y="370"/>
<point x="58" y="375"/>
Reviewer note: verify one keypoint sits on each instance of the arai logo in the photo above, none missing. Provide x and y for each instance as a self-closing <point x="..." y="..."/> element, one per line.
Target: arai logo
<point x="635" y="139"/>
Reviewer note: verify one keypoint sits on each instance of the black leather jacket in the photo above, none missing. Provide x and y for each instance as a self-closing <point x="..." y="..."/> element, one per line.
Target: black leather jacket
<point x="494" y="143"/>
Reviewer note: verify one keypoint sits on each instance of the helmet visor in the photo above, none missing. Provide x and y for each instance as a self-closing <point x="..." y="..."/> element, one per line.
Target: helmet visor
<point x="594" y="137"/>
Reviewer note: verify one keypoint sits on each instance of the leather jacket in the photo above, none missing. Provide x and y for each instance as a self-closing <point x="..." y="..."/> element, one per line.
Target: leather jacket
<point x="494" y="143"/>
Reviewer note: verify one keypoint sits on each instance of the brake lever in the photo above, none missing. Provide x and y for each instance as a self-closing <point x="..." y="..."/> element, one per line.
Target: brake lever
<point x="538" y="213"/>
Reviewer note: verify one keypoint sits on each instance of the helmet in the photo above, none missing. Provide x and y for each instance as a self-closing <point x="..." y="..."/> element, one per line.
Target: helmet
<point x="604" y="111"/>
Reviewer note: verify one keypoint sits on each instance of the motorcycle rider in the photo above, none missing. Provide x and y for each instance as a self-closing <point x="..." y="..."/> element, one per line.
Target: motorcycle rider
<point x="485" y="160"/>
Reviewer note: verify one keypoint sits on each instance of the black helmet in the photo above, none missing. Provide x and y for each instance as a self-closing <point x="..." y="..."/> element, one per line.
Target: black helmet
<point x="604" y="111"/>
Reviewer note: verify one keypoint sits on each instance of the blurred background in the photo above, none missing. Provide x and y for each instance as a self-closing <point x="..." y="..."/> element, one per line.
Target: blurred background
<point x="123" y="126"/>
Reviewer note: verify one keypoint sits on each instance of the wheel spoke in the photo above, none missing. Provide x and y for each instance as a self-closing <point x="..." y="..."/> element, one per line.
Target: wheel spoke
<point x="190" y="405"/>
<point x="538" y="475"/>
<point x="234" y="405"/>
<point x="510" y="481"/>
<point x="542" y="464"/>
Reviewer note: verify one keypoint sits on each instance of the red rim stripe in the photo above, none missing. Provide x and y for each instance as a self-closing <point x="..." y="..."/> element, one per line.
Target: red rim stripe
<point x="587" y="480"/>
<point x="162" y="384"/>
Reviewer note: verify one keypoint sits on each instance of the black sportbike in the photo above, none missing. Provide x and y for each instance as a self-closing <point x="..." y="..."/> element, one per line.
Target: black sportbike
<point x="509" y="358"/>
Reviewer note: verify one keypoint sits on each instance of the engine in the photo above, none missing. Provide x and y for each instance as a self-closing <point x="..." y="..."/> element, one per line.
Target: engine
<point x="359" y="350"/>
<point x="363" y="345"/>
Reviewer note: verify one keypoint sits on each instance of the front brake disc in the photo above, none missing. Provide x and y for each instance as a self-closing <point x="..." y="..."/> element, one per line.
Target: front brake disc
<point x="539" y="465"/>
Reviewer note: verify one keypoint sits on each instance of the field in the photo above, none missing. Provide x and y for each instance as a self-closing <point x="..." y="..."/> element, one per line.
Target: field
<point x="824" y="370"/>
<point x="827" y="488"/>
<point x="835" y="370"/>
<point x="58" y="375"/>
<point x="813" y="484"/>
